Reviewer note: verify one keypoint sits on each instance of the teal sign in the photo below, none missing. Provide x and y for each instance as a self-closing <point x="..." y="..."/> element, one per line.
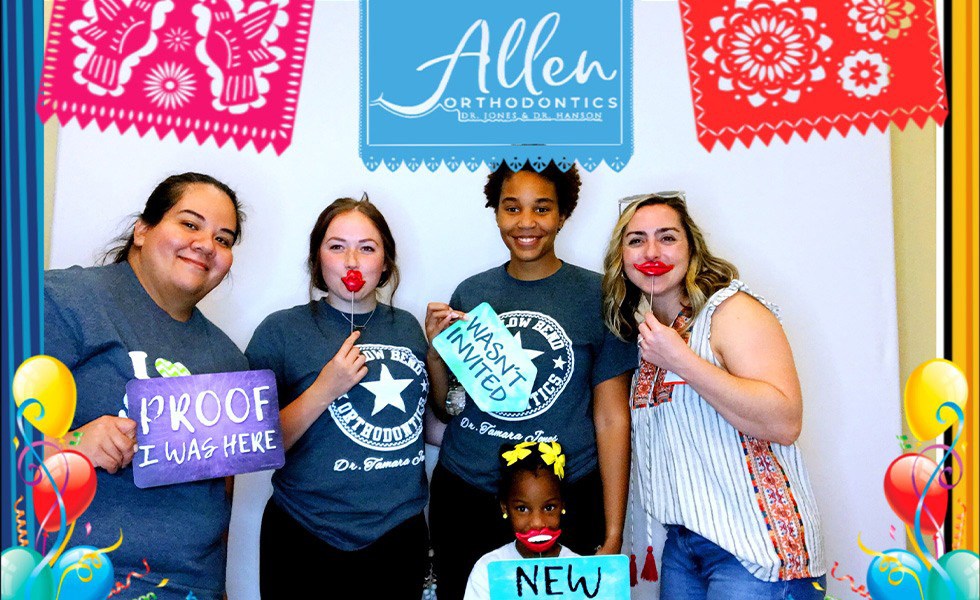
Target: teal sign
<point x="592" y="577"/>
<point x="488" y="362"/>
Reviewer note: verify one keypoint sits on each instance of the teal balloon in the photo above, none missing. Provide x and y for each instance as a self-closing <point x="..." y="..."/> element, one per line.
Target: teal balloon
<point x="16" y="565"/>
<point x="97" y="569"/>
<point x="901" y="586"/>
<point x="963" y="567"/>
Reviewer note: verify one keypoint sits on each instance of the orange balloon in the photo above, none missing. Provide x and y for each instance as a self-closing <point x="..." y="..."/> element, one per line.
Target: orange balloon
<point x="930" y="385"/>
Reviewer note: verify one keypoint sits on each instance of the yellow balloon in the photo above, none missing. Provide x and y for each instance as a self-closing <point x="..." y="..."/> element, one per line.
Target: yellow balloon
<point x="47" y="380"/>
<point x="930" y="385"/>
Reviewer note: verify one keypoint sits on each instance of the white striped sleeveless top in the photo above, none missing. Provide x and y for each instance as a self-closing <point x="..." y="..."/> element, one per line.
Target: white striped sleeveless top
<point x="693" y="468"/>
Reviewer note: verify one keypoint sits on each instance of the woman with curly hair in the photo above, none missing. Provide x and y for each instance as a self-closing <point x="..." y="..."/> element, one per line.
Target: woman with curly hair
<point x="579" y="395"/>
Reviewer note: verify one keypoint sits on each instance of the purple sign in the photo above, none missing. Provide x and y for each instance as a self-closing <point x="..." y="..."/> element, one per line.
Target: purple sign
<point x="204" y="426"/>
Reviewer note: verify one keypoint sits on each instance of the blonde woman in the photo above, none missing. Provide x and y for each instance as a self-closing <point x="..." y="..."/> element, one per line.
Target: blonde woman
<point x="716" y="409"/>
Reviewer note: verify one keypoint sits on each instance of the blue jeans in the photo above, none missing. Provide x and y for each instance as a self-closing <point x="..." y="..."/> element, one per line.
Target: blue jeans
<point x="694" y="568"/>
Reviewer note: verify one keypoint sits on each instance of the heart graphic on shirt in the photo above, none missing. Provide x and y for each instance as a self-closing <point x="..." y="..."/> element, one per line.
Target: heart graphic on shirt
<point x="170" y="369"/>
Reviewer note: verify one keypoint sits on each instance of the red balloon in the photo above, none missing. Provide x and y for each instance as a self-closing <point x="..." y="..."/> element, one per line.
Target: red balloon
<point x="74" y="476"/>
<point x="901" y="496"/>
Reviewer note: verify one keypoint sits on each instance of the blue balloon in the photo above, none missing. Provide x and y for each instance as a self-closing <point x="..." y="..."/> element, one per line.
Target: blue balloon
<point x="887" y="582"/>
<point x="76" y="567"/>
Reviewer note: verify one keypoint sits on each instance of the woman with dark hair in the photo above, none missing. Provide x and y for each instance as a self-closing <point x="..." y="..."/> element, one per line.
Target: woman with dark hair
<point x="351" y="374"/>
<point x="579" y="396"/>
<point x="135" y="318"/>
<point x="716" y="409"/>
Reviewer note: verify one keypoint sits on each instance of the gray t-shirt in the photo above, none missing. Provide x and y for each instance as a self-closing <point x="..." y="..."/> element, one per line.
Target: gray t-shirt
<point x="558" y="321"/>
<point x="103" y="325"/>
<point x="359" y="470"/>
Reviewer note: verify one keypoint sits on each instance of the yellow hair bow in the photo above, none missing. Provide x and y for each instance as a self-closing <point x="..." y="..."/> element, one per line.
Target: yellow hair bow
<point x="551" y="455"/>
<point x="518" y="453"/>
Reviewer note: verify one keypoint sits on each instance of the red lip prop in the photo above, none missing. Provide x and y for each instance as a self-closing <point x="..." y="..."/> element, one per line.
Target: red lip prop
<point x="353" y="281"/>
<point x="654" y="267"/>
<point x="539" y="540"/>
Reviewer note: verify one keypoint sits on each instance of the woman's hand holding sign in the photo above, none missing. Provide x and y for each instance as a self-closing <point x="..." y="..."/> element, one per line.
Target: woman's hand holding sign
<point x="109" y="442"/>
<point x="439" y="316"/>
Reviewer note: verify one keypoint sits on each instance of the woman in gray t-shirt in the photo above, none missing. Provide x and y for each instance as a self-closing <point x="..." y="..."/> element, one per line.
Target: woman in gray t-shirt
<point x="137" y="318"/>
<point x="579" y="396"/>
<point x="352" y="382"/>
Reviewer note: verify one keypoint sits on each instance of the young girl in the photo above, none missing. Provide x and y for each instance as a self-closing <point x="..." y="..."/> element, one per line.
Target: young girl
<point x="531" y="499"/>
<point x="347" y="505"/>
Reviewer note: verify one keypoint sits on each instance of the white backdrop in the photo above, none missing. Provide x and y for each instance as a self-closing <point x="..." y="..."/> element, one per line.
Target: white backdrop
<point x="809" y="225"/>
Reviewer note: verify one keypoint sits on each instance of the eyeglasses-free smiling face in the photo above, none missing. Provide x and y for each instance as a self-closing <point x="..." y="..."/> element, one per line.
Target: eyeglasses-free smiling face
<point x="187" y="254"/>
<point x="529" y="220"/>
<point x="352" y="243"/>
<point x="534" y="509"/>
<point x="656" y="252"/>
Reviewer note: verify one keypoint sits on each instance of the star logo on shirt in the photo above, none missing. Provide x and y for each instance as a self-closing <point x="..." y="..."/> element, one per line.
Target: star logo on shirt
<point x="387" y="391"/>
<point x="531" y="354"/>
<point x="559" y="363"/>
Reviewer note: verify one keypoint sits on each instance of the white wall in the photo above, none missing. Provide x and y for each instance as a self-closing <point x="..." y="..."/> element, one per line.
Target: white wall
<point x="809" y="225"/>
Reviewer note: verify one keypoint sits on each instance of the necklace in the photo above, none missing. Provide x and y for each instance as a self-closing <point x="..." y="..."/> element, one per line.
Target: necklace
<point x="354" y="326"/>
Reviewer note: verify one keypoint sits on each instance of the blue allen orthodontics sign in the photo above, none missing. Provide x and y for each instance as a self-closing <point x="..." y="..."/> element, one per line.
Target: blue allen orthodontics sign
<point x="452" y="82"/>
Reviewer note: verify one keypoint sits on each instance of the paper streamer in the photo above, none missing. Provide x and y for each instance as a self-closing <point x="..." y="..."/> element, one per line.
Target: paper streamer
<point x="915" y="545"/>
<point x="129" y="578"/>
<point x="929" y="559"/>
<point x="21" y="523"/>
<point x="39" y="470"/>
<point x="64" y="544"/>
<point x="860" y="590"/>
<point x="957" y="538"/>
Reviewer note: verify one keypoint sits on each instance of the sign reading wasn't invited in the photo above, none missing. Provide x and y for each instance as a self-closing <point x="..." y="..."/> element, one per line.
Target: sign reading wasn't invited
<point x="204" y="426"/>
<point x="580" y="577"/>
<point x="488" y="361"/>
<point x="448" y="82"/>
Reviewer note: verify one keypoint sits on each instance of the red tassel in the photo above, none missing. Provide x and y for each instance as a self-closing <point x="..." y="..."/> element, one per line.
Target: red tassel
<point x="633" y="580"/>
<point x="650" y="566"/>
